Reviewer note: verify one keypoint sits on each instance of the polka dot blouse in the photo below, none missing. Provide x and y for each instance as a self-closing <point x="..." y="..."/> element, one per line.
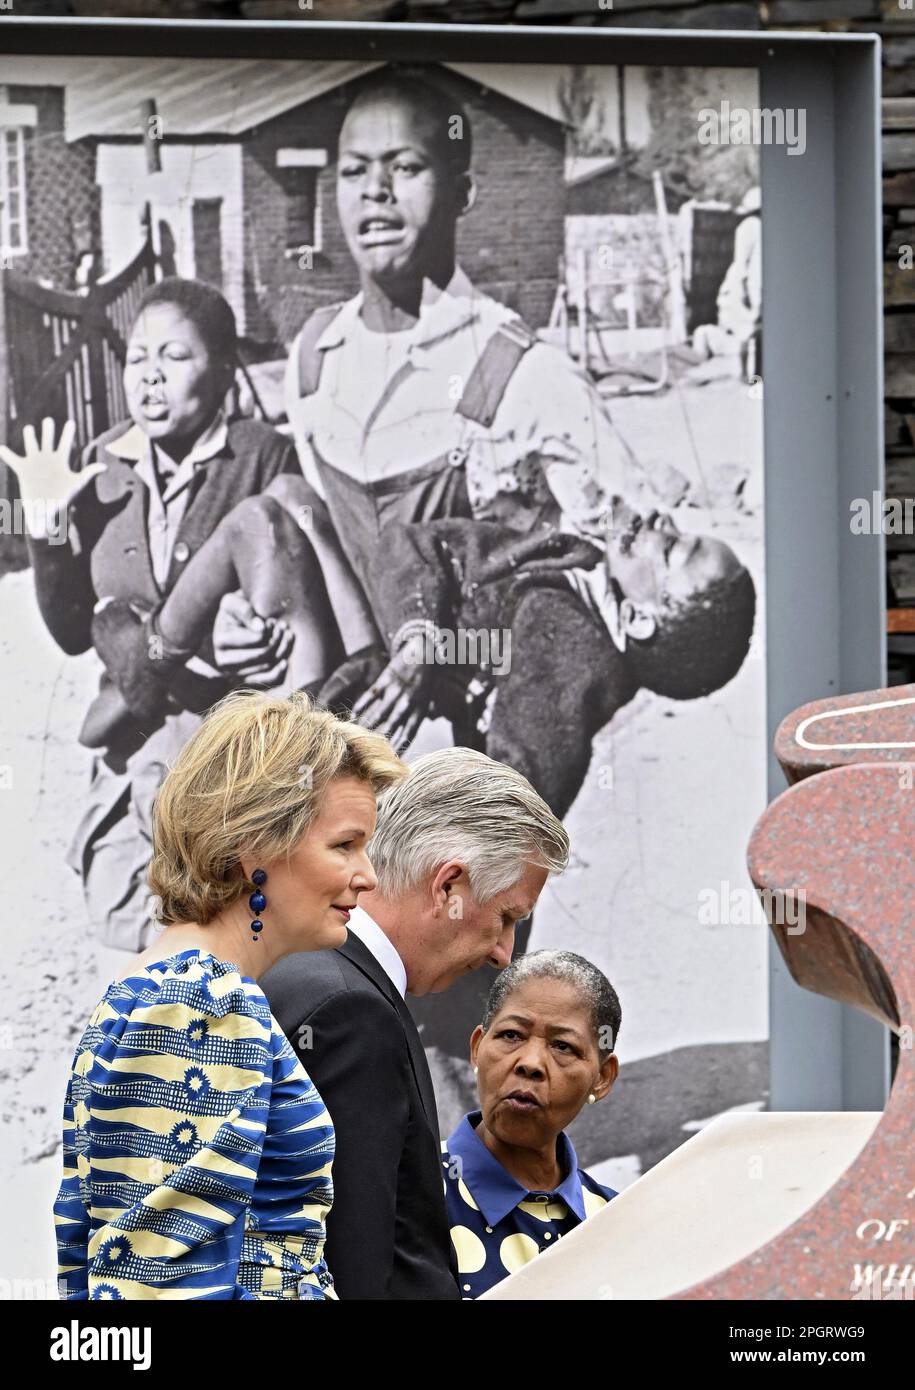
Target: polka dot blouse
<point x="497" y="1225"/>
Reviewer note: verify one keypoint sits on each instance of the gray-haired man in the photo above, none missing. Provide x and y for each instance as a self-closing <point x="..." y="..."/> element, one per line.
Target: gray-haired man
<point x="462" y="850"/>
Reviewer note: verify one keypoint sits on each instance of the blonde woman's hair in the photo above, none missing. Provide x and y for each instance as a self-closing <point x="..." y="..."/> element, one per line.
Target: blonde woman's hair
<point x="250" y="780"/>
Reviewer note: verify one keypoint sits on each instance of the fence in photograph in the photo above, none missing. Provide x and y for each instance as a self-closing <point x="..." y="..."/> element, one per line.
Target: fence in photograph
<point x="62" y="352"/>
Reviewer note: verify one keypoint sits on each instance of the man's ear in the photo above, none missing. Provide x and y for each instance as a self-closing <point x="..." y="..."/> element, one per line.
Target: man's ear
<point x="475" y="1037"/>
<point x="446" y="876"/>
<point x="637" y="622"/>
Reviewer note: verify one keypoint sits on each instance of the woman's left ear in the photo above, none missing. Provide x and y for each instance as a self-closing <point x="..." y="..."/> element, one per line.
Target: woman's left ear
<point x="608" y="1073"/>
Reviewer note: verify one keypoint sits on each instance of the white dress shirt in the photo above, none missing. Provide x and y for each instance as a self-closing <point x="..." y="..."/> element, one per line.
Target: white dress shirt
<point x="371" y="935"/>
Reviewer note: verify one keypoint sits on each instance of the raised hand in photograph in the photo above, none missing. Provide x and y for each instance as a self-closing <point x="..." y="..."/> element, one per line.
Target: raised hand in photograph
<point x="47" y="481"/>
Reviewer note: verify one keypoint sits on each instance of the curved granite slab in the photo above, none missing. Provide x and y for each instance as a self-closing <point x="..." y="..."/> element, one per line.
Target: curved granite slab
<point x="874" y="726"/>
<point x="710" y="1204"/>
<point x="842" y="844"/>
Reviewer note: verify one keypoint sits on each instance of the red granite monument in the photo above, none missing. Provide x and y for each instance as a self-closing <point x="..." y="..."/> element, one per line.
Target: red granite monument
<point x="839" y="846"/>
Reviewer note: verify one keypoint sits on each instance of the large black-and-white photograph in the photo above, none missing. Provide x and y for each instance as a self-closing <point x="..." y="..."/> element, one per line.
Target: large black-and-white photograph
<point x="434" y="392"/>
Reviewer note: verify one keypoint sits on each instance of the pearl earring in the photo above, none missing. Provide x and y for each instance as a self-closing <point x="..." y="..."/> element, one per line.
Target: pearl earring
<point x="592" y="1098"/>
<point x="476" y="1071"/>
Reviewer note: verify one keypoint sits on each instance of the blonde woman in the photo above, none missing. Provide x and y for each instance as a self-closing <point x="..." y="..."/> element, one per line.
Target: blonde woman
<point x="197" y="1152"/>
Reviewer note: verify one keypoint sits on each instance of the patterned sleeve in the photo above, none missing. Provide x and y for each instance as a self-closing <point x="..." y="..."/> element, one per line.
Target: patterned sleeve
<point x="71" y="1219"/>
<point x="170" y="1105"/>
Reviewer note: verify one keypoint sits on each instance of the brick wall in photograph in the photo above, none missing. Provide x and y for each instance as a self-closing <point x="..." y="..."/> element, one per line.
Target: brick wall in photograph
<point x="62" y="203"/>
<point x="510" y="246"/>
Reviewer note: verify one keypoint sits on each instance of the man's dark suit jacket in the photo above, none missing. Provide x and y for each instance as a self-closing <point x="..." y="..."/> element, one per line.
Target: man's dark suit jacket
<point x="387" y="1233"/>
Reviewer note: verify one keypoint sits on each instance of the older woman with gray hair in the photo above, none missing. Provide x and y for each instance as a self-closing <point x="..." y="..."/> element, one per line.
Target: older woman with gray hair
<point x="544" y="1049"/>
<point x="461" y="852"/>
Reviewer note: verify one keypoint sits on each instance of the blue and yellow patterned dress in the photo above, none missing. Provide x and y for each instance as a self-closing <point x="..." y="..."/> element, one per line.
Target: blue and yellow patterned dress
<point x="197" y="1153"/>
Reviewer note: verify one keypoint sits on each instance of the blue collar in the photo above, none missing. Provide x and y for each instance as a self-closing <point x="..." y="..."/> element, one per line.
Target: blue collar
<point x="494" y="1189"/>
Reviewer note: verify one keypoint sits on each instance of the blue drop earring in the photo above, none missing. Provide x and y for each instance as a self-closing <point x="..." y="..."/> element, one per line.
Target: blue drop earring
<point x="257" y="902"/>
